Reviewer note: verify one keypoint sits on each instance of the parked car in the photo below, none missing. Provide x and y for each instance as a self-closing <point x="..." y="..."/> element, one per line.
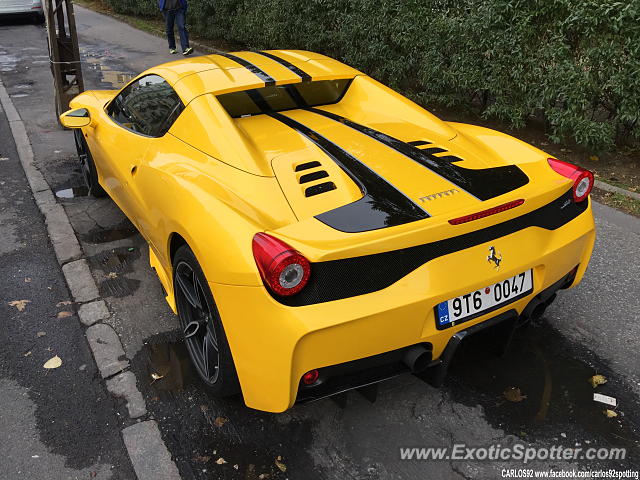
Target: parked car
<point x="315" y="231"/>
<point x="22" y="7"/>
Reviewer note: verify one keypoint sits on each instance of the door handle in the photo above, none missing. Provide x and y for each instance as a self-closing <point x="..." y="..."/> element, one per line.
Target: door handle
<point x="134" y="170"/>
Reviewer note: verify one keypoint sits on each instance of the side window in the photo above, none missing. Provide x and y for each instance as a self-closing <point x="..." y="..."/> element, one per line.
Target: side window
<point x="148" y="106"/>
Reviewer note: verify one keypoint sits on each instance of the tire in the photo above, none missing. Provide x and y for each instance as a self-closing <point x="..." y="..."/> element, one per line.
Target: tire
<point x="87" y="166"/>
<point x="202" y="328"/>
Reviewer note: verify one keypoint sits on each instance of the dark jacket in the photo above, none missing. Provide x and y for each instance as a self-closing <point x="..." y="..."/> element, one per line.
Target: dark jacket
<point x="182" y="2"/>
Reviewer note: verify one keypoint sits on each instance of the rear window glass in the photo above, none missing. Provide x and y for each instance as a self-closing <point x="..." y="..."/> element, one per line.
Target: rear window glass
<point x="276" y="98"/>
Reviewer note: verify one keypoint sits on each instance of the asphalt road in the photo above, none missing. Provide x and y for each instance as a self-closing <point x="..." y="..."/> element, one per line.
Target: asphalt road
<point x="59" y="423"/>
<point x="591" y="329"/>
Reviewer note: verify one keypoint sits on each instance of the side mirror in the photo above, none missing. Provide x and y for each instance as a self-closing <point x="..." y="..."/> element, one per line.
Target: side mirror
<point x="75" y="118"/>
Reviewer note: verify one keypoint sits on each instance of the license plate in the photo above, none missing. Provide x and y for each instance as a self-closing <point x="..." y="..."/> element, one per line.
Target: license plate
<point x="471" y="305"/>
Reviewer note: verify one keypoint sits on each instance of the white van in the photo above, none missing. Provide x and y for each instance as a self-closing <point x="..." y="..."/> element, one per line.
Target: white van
<point x="22" y="7"/>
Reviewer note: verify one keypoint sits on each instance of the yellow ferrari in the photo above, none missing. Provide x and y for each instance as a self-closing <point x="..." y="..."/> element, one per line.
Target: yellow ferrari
<point x="315" y="231"/>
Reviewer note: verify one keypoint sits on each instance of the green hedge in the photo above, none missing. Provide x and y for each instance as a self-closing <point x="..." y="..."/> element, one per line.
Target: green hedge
<point x="573" y="63"/>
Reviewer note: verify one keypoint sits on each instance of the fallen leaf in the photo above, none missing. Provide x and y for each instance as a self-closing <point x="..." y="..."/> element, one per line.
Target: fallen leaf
<point x="262" y="476"/>
<point x="41" y="334"/>
<point x="594" y="158"/>
<point x="597" y="380"/>
<point x="221" y="461"/>
<point x="280" y="465"/>
<point x="62" y="304"/>
<point x="19" y="304"/>
<point x="64" y="314"/>
<point x="220" y="421"/>
<point x="610" y="413"/>
<point x="236" y="466"/>
<point x="27" y="354"/>
<point x="201" y="458"/>
<point x="513" y="394"/>
<point x="27" y="279"/>
<point x="155" y="377"/>
<point x="204" y="408"/>
<point x="54" y="362"/>
<point x="112" y="275"/>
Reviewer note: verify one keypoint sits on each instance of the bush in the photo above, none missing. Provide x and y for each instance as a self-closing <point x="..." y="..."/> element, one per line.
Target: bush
<point x="575" y="63"/>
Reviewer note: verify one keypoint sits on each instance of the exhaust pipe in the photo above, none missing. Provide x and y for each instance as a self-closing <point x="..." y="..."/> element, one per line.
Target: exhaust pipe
<point x="417" y="358"/>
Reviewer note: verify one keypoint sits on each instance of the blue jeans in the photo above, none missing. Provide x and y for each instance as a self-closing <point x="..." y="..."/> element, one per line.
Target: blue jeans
<point x="177" y="17"/>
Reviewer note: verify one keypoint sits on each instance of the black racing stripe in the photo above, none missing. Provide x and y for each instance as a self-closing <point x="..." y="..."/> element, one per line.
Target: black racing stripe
<point x="259" y="100"/>
<point x="298" y="71"/>
<point x="381" y="205"/>
<point x="354" y="276"/>
<point x="483" y="183"/>
<point x="264" y="76"/>
<point x="295" y="96"/>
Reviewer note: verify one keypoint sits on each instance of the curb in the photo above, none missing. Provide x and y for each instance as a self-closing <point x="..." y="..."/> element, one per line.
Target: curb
<point x="612" y="188"/>
<point x="142" y="440"/>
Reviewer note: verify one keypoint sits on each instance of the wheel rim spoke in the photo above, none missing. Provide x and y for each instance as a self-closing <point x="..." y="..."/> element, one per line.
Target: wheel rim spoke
<point x="189" y="289"/>
<point x="210" y="354"/>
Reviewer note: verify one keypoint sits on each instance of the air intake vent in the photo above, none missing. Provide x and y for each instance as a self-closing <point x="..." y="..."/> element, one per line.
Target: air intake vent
<point x="428" y="148"/>
<point x="310" y="177"/>
<point x="307" y="166"/>
<point x="319" y="188"/>
<point x="433" y="150"/>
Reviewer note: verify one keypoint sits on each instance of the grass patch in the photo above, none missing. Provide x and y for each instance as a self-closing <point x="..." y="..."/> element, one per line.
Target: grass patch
<point x="616" y="200"/>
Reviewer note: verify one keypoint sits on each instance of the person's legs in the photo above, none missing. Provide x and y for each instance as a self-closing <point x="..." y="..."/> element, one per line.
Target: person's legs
<point x="182" y="29"/>
<point x="169" y="19"/>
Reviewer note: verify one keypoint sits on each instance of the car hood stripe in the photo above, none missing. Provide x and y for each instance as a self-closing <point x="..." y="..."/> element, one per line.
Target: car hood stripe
<point x="382" y="205"/>
<point x="264" y="76"/>
<point x="285" y="63"/>
<point x="483" y="184"/>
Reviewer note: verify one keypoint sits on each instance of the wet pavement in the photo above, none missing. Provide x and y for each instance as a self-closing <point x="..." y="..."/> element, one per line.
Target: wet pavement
<point x="592" y="329"/>
<point x="59" y="423"/>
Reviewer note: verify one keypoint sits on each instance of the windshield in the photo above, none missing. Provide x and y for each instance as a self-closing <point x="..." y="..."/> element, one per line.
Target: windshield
<point x="276" y="98"/>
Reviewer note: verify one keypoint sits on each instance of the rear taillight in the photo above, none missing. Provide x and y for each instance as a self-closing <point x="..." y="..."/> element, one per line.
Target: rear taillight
<point x="310" y="377"/>
<point x="486" y="213"/>
<point x="283" y="269"/>
<point x="582" y="179"/>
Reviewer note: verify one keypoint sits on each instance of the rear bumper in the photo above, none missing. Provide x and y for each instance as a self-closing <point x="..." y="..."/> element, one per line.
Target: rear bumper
<point x="273" y="345"/>
<point x="35" y="9"/>
<point x="367" y="371"/>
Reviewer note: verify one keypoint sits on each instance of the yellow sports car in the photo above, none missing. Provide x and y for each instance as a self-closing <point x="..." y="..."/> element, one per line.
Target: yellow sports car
<point x="316" y="231"/>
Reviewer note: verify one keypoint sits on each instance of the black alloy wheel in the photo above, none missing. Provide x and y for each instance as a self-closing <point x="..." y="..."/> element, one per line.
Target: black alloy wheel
<point x="201" y="326"/>
<point x="87" y="166"/>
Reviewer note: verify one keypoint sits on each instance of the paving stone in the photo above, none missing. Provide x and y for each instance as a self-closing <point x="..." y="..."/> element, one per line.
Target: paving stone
<point x="124" y="386"/>
<point x="149" y="455"/>
<point x="93" y="312"/>
<point x="107" y="349"/>
<point x="81" y="283"/>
